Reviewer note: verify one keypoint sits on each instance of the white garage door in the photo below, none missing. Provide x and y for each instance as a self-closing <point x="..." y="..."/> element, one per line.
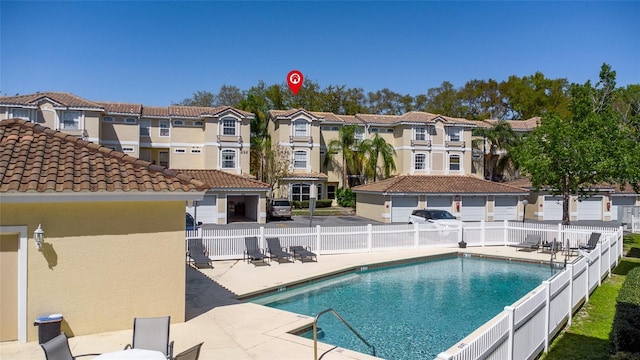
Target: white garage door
<point x="590" y="208"/>
<point x="473" y="208"/>
<point x="620" y="201"/>
<point x="552" y="208"/>
<point x="401" y="208"/>
<point x="207" y="211"/>
<point x="505" y="208"/>
<point x="439" y="203"/>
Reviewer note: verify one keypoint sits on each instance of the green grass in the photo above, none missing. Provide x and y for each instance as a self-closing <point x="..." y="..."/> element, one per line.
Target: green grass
<point x="588" y="336"/>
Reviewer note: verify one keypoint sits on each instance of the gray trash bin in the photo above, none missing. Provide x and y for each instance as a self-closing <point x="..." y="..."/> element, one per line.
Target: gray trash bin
<point x="48" y="327"/>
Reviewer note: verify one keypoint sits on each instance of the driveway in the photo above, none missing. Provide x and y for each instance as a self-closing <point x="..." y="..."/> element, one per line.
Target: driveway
<point x="299" y="221"/>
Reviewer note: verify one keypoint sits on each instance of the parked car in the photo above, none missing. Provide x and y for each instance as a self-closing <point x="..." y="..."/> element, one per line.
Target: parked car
<point x="278" y="208"/>
<point x="191" y="223"/>
<point x="438" y="218"/>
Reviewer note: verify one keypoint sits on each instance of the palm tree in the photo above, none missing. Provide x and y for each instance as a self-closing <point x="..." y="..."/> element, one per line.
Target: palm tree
<point x="500" y="136"/>
<point x="346" y="144"/>
<point x="374" y="148"/>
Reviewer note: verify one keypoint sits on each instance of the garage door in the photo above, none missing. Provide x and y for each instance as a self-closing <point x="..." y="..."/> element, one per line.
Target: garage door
<point x="207" y="211"/>
<point x="552" y="208"/>
<point x="505" y="208"/>
<point x="617" y="201"/>
<point x="473" y="208"/>
<point x="590" y="208"/>
<point x="401" y="208"/>
<point x="439" y="203"/>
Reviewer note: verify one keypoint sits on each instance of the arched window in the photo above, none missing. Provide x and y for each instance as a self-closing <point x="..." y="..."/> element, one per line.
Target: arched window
<point x="228" y="159"/>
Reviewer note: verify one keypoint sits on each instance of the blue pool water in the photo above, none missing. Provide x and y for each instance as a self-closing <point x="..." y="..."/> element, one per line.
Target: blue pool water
<point x="413" y="311"/>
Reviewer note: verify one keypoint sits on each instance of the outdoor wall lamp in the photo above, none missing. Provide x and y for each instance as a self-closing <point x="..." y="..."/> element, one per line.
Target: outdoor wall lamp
<point x="38" y="237"/>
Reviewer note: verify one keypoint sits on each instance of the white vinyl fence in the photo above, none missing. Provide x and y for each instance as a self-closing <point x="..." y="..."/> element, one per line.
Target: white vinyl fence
<point x="524" y="329"/>
<point x="228" y="244"/>
<point x="635" y="224"/>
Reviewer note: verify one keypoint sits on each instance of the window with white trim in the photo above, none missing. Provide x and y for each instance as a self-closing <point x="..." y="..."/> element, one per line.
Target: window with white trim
<point x="198" y="123"/>
<point x="127" y="149"/>
<point x="165" y="130"/>
<point x="389" y="130"/>
<point x="130" y="120"/>
<point x="420" y="162"/>
<point x="20" y="114"/>
<point x="108" y="119"/>
<point x="145" y="127"/>
<point x="374" y="130"/>
<point x="71" y="120"/>
<point x="299" y="159"/>
<point x="178" y="122"/>
<point x="229" y="127"/>
<point x="454" y="162"/>
<point x="300" y="128"/>
<point x="228" y="158"/>
<point x="319" y="193"/>
<point x="334" y="128"/>
<point x="196" y="151"/>
<point x="300" y="192"/>
<point x="455" y="134"/>
<point x="179" y="150"/>
<point x="420" y="133"/>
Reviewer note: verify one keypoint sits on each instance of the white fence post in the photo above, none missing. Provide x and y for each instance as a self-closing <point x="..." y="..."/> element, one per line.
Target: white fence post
<point x="263" y="244"/>
<point x="570" y="268"/>
<point x="483" y="232"/>
<point x="547" y="313"/>
<point x="369" y="237"/>
<point x="506" y="232"/>
<point x="318" y="235"/>
<point x="561" y="239"/>
<point x="599" y="257"/>
<point x="416" y="236"/>
<point x="512" y="322"/>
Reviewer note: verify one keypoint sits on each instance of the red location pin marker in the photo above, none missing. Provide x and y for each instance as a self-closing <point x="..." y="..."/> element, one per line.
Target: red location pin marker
<point x="295" y="79"/>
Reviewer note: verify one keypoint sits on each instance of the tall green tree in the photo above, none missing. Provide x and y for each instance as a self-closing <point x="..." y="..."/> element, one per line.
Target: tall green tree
<point x="570" y="155"/>
<point x="378" y="152"/>
<point x="229" y="95"/>
<point x="346" y="146"/>
<point x="200" y="98"/>
<point x="502" y="140"/>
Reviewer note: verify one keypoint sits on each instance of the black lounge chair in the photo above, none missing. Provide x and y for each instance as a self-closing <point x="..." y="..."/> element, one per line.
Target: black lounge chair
<point x="592" y="243"/>
<point x="531" y="243"/>
<point x="198" y="254"/>
<point x="303" y="253"/>
<point x="252" y="252"/>
<point x="276" y="251"/>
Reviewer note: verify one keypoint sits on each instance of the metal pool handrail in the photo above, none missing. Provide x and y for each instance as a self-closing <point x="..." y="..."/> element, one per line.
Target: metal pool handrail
<point x="315" y="332"/>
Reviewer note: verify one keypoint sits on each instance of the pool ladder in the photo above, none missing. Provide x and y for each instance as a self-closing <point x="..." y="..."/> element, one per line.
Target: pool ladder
<point x="315" y="332"/>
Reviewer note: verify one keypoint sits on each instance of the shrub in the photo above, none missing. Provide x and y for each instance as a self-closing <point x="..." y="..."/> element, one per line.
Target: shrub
<point x="625" y="334"/>
<point x="305" y="204"/>
<point x="346" y="198"/>
<point x="625" y="356"/>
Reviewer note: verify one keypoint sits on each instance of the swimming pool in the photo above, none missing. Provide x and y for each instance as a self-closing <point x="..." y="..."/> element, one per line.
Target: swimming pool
<point x="413" y="311"/>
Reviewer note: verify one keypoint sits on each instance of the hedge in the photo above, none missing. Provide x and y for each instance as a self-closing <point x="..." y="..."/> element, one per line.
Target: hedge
<point x="625" y="334"/>
<point x="324" y="203"/>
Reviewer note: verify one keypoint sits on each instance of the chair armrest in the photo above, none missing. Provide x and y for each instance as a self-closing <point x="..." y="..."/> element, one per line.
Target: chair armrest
<point x="128" y="346"/>
<point x="170" y="356"/>
<point x="77" y="356"/>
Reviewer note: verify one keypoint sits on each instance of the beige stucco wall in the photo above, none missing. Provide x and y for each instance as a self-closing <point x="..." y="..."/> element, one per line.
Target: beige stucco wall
<point x="373" y="206"/>
<point x="187" y="135"/>
<point x="120" y="132"/>
<point x="103" y="263"/>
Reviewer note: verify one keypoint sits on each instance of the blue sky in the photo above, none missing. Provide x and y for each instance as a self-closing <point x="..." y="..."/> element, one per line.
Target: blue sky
<point x="158" y="53"/>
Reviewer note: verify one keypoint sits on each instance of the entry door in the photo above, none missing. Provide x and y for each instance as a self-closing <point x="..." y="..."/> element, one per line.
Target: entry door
<point x="9" y="286"/>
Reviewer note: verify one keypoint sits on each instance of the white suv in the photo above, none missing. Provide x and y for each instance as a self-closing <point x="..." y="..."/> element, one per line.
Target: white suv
<point x="437" y="218"/>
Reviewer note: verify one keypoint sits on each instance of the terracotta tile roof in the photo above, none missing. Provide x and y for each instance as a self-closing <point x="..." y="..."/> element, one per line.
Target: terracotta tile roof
<point x="327" y="116"/>
<point x="155" y="112"/>
<point x="516" y="125"/>
<point x="351" y="119"/>
<point x="287" y="114"/>
<point x="34" y="158"/>
<point x="199" y="111"/>
<point x="121" y="108"/>
<point x="436" y="184"/>
<point x="64" y="99"/>
<point x="425" y="117"/>
<point x="309" y="175"/>
<point x="525" y="182"/>
<point x="378" y="119"/>
<point x="218" y="179"/>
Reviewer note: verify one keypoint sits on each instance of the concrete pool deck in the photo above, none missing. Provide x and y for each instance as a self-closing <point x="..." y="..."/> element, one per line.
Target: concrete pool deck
<point x="235" y="329"/>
